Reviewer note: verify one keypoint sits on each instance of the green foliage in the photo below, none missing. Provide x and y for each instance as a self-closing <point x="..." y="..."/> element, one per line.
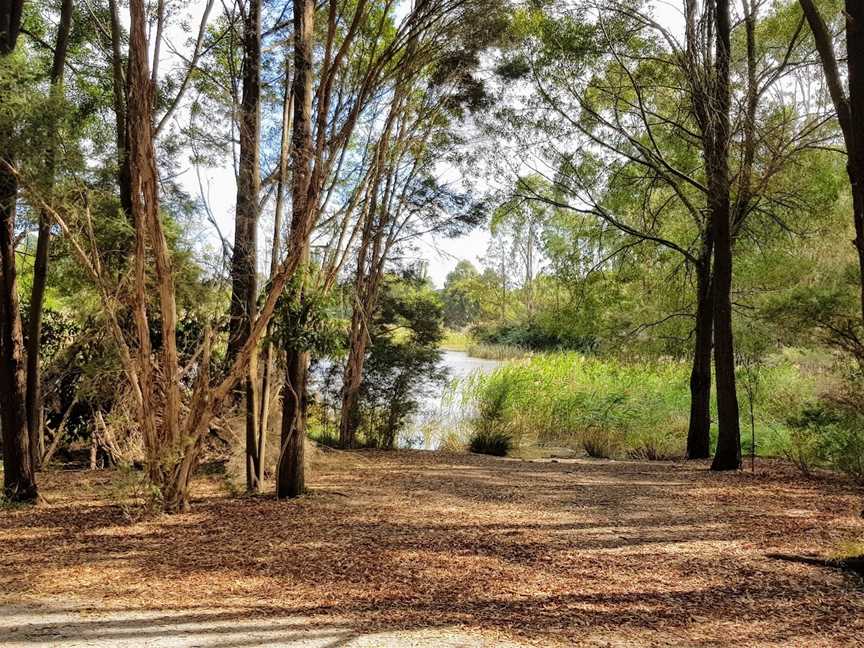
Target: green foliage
<point x="639" y="408"/>
<point x="308" y="319"/>
<point x="402" y="360"/>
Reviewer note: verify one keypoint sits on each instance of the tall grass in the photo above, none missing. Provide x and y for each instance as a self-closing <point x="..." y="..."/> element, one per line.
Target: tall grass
<point x="455" y="341"/>
<point x="611" y="408"/>
<point x="502" y="352"/>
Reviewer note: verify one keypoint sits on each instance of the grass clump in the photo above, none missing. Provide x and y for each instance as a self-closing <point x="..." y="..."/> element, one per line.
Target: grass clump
<point x="491" y="442"/>
<point x="611" y="408"/>
<point x="501" y="352"/>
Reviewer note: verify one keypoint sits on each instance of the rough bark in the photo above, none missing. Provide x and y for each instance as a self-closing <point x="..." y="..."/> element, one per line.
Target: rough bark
<point x="728" y="452"/>
<point x="244" y="262"/>
<point x="290" y="466"/>
<point x="148" y="232"/>
<point x="19" y="480"/>
<point x="40" y="264"/>
<point x="275" y="252"/>
<point x="124" y="181"/>
<point x="291" y="481"/>
<point x="699" y="430"/>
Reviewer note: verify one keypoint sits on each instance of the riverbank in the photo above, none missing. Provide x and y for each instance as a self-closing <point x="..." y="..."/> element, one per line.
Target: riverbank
<point x="425" y="549"/>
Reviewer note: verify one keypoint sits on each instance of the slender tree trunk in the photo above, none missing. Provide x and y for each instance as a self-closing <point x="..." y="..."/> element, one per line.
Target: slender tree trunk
<point x="165" y="441"/>
<point x="699" y="431"/>
<point x="351" y="379"/>
<point x="290" y="482"/>
<point x="855" y="143"/>
<point x="275" y="252"/>
<point x="40" y="267"/>
<point x="728" y="453"/>
<point x="19" y="480"/>
<point x="124" y="180"/>
<point x="244" y="260"/>
<point x="244" y="285"/>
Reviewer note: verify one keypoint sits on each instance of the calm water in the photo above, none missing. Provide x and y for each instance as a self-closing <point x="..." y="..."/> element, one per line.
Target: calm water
<point x="440" y="413"/>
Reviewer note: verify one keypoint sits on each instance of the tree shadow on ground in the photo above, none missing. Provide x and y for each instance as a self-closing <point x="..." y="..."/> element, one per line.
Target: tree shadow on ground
<point x="569" y="552"/>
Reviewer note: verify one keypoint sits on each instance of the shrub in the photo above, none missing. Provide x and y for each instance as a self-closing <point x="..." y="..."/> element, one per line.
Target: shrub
<point x="659" y="444"/>
<point x="491" y="442"/>
<point x="844" y="446"/>
<point x="601" y="443"/>
<point x="804" y="449"/>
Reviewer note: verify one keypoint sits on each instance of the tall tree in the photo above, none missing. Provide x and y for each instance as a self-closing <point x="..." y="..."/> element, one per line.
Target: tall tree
<point x="716" y="147"/>
<point x="244" y="262"/>
<point x="849" y="105"/>
<point x="40" y="267"/>
<point x="19" y="480"/>
<point x="290" y="475"/>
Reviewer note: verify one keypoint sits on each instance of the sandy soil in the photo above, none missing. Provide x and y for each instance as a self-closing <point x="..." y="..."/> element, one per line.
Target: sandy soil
<point x="423" y="549"/>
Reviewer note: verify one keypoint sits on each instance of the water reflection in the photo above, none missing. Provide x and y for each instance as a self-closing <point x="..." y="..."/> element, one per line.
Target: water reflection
<point x="441" y="412"/>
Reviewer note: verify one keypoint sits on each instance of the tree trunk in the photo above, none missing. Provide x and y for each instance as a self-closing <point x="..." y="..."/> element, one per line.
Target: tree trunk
<point x="855" y="141"/>
<point x="275" y="251"/>
<point x="290" y="482"/>
<point x="728" y="453"/>
<point x="699" y="431"/>
<point x="244" y="262"/>
<point x="124" y="179"/>
<point x="348" y="418"/>
<point x="19" y="480"/>
<point x="164" y="442"/>
<point x="40" y="266"/>
<point x="10" y="24"/>
<point x="290" y="474"/>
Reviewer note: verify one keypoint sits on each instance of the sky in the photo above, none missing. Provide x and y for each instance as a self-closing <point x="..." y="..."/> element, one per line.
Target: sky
<point x="440" y="254"/>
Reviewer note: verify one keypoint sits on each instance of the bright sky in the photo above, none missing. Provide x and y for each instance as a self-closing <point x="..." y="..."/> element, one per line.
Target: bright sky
<point x="440" y="254"/>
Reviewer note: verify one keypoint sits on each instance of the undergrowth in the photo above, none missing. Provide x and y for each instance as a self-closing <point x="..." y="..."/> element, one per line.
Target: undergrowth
<point x="639" y="409"/>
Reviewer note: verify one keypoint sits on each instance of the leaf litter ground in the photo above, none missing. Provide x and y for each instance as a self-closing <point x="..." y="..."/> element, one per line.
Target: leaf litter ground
<point x="432" y="549"/>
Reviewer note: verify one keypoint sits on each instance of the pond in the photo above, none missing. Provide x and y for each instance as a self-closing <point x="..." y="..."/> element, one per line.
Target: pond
<point x="439" y="415"/>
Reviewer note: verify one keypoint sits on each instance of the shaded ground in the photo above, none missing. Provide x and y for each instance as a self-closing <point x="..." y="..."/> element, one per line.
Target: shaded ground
<point x="425" y="549"/>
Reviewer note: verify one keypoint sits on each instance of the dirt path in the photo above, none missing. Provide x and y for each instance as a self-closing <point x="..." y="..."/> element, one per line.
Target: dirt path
<point x="420" y="549"/>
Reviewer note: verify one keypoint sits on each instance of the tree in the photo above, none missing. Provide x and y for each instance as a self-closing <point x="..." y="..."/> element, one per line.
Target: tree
<point x="19" y="480"/>
<point x="244" y="285"/>
<point x="40" y="270"/>
<point x="848" y="104"/>
<point x="461" y="302"/>
<point x="717" y="132"/>
<point x="645" y="155"/>
<point x="361" y="74"/>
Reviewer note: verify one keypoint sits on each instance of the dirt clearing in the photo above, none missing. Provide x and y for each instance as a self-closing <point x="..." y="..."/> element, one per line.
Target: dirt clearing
<point x="426" y="549"/>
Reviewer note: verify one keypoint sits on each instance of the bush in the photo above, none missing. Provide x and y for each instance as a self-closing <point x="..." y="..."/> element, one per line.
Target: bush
<point x="601" y="443"/>
<point x="663" y="444"/>
<point x="845" y="449"/>
<point x="827" y="434"/>
<point x="491" y="442"/>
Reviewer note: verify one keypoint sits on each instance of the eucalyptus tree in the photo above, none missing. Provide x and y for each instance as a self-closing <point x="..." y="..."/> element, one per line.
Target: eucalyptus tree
<point x="364" y="47"/>
<point x="40" y="269"/>
<point x="848" y="100"/>
<point x="637" y="128"/>
<point x="244" y="260"/>
<point x="19" y="480"/>
<point x="404" y="200"/>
